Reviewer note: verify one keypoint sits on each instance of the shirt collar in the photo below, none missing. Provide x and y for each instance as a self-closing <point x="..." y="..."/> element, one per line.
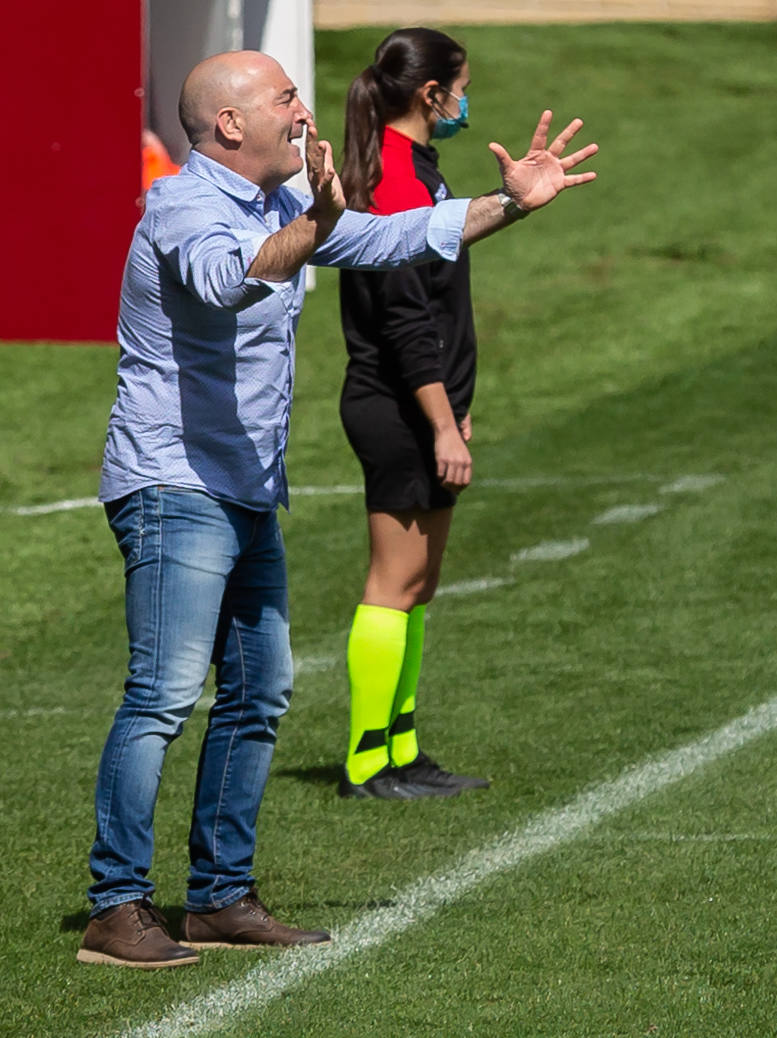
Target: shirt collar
<point x="395" y="139"/>
<point x="225" y="179"/>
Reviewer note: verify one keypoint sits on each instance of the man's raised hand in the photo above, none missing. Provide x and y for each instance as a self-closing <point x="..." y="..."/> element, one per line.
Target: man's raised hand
<point x="543" y="172"/>
<point x="324" y="182"/>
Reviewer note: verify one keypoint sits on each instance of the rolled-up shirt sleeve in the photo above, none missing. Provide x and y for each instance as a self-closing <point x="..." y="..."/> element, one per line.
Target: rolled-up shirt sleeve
<point x="366" y="242"/>
<point x="446" y="227"/>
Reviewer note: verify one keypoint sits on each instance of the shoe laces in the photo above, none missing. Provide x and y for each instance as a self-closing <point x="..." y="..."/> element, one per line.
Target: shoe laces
<point x="425" y="763"/>
<point x="255" y="904"/>
<point x="147" y="916"/>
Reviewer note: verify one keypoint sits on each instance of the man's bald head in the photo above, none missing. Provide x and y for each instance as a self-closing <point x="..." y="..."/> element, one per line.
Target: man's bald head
<point x="218" y="82"/>
<point x="242" y="110"/>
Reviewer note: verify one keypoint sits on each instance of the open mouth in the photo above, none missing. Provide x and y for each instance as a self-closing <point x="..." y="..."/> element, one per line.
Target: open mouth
<point x="294" y="139"/>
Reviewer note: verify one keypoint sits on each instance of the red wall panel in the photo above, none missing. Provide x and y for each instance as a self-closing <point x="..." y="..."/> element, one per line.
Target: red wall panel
<point x="72" y="79"/>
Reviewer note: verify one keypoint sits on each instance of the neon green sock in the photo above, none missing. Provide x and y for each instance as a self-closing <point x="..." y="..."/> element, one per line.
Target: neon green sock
<point x="403" y="741"/>
<point x="376" y="649"/>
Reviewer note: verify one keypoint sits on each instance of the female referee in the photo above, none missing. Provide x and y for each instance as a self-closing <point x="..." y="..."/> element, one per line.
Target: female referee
<point x="405" y="404"/>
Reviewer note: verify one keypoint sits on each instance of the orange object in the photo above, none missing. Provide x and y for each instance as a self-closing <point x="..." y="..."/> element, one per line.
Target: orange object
<point x="156" y="161"/>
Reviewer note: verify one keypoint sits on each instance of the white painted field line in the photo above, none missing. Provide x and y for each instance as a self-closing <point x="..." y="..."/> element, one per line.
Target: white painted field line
<point x="670" y="837"/>
<point x="694" y="484"/>
<point x="333" y="491"/>
<point x="570" y="482"/>
<point x="544" y="832"/>
<point x="56" y="506"/>
<point x="636" y="513"/>
<point x="551" y="551"/>
<point x="627" y="514"/>
<point x="9" y="713"/>
<point x="545" y="551"/>
<point x="472" y="587"/>
<point x="682" y="483"/>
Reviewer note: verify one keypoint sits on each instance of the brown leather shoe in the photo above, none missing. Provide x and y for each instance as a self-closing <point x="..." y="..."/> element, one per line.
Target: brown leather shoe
<point x="244" y="924"/>
<point x="132" y="934"/>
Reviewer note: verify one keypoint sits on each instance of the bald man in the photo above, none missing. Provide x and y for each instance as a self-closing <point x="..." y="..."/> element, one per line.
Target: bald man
<point x="194" y="473"/>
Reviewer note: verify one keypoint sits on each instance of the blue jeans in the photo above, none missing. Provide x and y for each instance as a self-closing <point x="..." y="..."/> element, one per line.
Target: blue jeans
<point x="205" y="581"/>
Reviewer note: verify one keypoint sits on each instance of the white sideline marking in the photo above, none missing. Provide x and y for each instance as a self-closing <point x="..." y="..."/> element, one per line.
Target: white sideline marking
<point x="302" y="665"/>
<point x="517" y="483"/>
<point x="56" y="506"/>
<point x="420" y="900"/>
<point x="32" y="711"/>
<point x="702" y="837"/>
<point x="573" y="482"/>
<point x="691" y="483"/>
<point x="549" y="551"/>
<point x="338" y="488"/>
<point x="313" y="664"/>
<point x="545" y="551"/>
<point x="471" y="587"/>
<point x="627" y="514"/>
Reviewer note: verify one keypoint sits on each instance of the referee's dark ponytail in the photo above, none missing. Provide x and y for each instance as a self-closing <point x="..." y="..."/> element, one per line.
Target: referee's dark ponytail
<point x="404" y="61"/>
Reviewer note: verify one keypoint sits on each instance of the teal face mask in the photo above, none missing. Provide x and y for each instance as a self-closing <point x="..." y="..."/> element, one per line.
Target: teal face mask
<point x="445" y="127"/>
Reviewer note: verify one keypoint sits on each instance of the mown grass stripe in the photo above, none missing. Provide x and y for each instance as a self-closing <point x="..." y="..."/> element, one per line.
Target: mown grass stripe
<point x="418" y="902"/>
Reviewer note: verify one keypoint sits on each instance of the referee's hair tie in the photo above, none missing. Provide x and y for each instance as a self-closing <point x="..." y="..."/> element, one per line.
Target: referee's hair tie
<point x="377" y="72"/>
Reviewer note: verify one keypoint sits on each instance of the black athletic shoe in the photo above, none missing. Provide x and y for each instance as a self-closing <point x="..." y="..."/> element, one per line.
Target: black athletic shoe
<point x="426" y="774"/>
<point x="384" y="785"/>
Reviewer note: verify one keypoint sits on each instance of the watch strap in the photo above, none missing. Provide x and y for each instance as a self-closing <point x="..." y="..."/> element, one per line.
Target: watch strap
<point x="510" y="206"/>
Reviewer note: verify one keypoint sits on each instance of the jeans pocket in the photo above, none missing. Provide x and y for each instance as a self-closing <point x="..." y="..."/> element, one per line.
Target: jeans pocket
<point x="126" y="518"/>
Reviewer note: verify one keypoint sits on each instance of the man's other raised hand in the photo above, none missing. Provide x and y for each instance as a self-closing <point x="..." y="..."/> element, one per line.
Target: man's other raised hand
<point x="543" y="172"/>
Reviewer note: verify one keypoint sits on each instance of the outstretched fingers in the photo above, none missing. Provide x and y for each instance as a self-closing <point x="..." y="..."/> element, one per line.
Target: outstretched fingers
<point x="328" y="162"/>
<point x="501" y="154"/>
<point x="566" y="135"/>
<point x="319" y="158"/>
<point x="540" y="138"/>
<point x="570" y="161"/>
<point x="573" y="179"/>
<point x="318" y="153"/>
<point x="311" y="138"/>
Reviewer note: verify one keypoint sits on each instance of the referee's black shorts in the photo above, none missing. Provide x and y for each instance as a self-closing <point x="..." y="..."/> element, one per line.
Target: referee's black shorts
<point x="395" y="445"/>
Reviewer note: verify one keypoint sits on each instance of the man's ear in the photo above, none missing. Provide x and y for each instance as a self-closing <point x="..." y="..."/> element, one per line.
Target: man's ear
<point x="229" y="124"/>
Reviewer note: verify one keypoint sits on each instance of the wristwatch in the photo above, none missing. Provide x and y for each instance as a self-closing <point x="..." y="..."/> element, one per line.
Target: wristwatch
<point x="511" y="207"/>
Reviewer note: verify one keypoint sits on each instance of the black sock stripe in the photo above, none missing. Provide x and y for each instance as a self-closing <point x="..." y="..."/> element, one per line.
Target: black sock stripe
<point x="404" y="723"/>
<point x="372" y="739"/>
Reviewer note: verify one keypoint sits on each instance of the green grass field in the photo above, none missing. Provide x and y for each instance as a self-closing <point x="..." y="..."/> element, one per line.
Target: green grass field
<point x="628" y="342"/>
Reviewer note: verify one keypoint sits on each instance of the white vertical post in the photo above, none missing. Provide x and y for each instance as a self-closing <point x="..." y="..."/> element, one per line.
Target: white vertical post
<point x="288" y="37"/>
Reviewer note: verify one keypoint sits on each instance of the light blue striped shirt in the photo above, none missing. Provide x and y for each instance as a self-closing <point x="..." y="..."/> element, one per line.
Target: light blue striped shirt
<point x="206" y="366"/>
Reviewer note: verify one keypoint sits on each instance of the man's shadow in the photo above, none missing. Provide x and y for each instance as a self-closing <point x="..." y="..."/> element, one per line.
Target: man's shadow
<point x="76" y="922"/>
<point x="317" y="775"/>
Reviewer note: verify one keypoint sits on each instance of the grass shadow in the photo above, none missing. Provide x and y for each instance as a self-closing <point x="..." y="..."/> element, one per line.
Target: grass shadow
<point x="76" y="922"/>
<point x="317" y="775"/>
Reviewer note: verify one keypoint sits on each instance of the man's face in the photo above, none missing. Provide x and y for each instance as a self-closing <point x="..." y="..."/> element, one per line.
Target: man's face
<point x="274" y="120"/>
